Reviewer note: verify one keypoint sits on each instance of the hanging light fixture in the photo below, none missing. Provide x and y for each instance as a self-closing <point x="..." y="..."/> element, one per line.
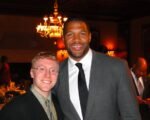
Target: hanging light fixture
<point x="53" y="25"/>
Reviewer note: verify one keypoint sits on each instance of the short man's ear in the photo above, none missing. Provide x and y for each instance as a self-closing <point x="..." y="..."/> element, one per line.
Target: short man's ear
<point x="31" y="73"/>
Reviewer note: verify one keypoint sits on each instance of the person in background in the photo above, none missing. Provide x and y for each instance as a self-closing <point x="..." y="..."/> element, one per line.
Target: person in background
<point x="5" y="75"/>
<point x="38" y="102"/>
<point x="102" y="49"/>
<point x="108" y="88"/>
<point x="142" y="86"/>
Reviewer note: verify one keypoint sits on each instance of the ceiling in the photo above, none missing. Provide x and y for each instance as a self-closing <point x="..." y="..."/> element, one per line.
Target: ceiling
<point x="92" y="9"/>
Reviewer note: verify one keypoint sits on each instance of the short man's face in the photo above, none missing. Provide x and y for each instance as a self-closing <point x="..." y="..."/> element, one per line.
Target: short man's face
<point x="77" y="39"/>
<point x="44" y="73"/>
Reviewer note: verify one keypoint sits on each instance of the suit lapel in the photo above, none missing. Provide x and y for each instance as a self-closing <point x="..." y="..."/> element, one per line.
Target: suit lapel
<point x="136" y="90"/>
<point x="39" y="111"/>
<point x="93" y="82"/>
<point x="65" y="80"/>
<point x="146" y="87"/>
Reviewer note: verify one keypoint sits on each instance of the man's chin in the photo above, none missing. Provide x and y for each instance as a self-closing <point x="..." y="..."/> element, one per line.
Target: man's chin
<point x="47" y="88"/>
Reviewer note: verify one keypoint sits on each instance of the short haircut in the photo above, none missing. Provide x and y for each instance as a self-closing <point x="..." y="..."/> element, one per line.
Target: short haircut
<point x="74" y="19"/>
<point x="42" y="55"/>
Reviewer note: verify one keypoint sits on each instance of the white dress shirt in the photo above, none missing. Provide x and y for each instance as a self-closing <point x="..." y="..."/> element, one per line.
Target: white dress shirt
<point x="73" y="79"/>
<point x="139" y="83"/>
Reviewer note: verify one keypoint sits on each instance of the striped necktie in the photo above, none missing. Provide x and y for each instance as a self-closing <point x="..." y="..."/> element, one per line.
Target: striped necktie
<point x="51" y="110"/>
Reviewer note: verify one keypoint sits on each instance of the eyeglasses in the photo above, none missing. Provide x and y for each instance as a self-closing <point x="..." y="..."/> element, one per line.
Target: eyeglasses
<point x="43" y="69"/>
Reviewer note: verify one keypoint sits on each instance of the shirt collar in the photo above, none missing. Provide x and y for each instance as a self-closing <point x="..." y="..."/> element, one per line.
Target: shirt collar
<point x="134" y="76"/>
<point x="40" y="97"/>
<point x="86" y="60"/>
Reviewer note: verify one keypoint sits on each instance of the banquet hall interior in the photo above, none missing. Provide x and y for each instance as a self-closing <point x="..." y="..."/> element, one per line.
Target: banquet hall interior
<point x="122" y="27"/>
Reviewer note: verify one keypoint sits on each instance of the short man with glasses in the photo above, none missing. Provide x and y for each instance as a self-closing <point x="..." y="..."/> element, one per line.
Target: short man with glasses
<point x="37" y="103"/>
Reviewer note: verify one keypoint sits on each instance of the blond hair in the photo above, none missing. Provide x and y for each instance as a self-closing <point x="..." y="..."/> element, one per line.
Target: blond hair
<point x="42" y="55"/>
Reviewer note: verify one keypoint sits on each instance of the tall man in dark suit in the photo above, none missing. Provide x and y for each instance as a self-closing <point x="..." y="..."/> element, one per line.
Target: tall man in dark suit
<point x="142" y="86"/>
<point x="108" y="80"/>
<point x="37" y="103"/>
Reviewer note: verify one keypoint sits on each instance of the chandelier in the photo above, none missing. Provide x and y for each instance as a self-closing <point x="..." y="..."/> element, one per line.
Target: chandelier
<point x="53" y="25"/>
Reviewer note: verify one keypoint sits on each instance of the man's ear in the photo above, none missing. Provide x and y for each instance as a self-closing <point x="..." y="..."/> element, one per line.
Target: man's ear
<point x="90" y="37"/>
<point x="31" y="73"/>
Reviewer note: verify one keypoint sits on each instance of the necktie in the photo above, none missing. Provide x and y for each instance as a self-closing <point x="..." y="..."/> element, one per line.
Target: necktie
<point x="83" y="91"/>
<point x="51" y="110"/>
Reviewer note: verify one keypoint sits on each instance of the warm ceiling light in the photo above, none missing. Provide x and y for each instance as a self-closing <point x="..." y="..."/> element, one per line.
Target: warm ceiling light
<point x="53" y="25"/>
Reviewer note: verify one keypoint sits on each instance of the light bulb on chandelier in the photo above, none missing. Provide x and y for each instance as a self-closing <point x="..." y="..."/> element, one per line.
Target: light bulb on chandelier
<point x="53" y="25"/>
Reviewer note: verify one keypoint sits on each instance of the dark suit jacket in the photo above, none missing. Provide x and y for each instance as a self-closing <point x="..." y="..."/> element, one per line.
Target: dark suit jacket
<point x="144" y="108"/>
<point x="110" y="91"/>
<point x="25" y="107"/>
<point x="146" y="92"/>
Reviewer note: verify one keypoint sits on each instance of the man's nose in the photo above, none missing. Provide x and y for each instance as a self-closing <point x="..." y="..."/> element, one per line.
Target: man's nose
<point x="47" y="73"/>
<point x="77" y="37"/>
